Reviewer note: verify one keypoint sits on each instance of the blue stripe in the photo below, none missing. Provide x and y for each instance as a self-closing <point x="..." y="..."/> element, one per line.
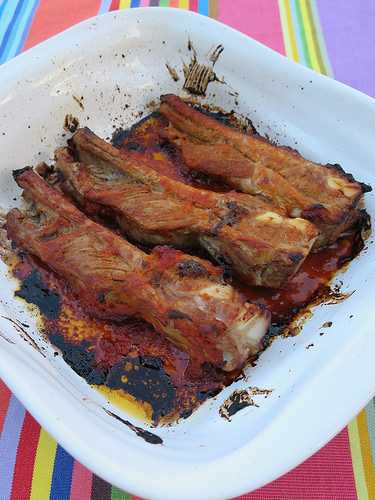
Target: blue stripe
<point x="18" y="30"/>
<point x="104" y="7"/>
<point x="10" y="437"/>
<point x="62" y="475"/>
<point x="26" y="30"/>
<point x="134" y="3"/>
<point x="2" y="8"/>
<point x="9" y="31"/>
<point x="7" y="11"/>
<point x="203" y="7"/>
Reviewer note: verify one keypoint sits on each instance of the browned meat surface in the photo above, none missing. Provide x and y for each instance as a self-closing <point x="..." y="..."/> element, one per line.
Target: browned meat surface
<point x="183" y="297"/>
<point x="257" y="241"/>
<point x="322" y="194"/>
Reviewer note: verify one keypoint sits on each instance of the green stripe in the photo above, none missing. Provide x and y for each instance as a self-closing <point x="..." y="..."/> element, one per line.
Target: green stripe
<point x="117" y="494"/>
<point x="321" y="44"/>
<point x="370" y="414"/>
<point x="315" y="39"/>
<point x="302" y="32"/>
<point x="164" y="3"/>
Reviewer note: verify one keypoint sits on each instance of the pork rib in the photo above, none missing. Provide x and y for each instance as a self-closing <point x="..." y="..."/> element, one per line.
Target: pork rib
<point x="182" y="296"/>
<point x="322" y="194"/>
<point x="258" y="242"/>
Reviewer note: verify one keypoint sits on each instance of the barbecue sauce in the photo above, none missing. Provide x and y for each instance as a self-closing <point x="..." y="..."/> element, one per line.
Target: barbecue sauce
<point x="133" y="366"/>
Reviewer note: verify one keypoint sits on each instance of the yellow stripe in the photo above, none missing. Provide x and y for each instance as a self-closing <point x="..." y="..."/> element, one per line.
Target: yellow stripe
<point x="183" y="4"/>
<point x="125" y="4"/>
<point x="288" y="30"/>
<point x="355" y="448"/>
<point x="284" y="26"/>
<point x="307" y="26"/>
<point x="366" y="453"/>
<point x="43" y="467"/>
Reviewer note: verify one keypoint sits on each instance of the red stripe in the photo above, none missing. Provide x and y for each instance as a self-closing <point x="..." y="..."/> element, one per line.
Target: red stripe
<point x="5" y="395"/>
<point x="115" y="5"/>
<point x="23" y="470"/>
<point x="54" y="17"/>
<point x="326" y="475"/>
<point x="81" y="483"/>
<point x="257" y="18"/>
<point x="193" y="5"/>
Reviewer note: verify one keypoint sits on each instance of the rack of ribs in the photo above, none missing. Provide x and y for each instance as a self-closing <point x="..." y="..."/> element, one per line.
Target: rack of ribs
<point x="257" y="241"/>
<point x="183" y="297"/>
<point x="322" y="194"/>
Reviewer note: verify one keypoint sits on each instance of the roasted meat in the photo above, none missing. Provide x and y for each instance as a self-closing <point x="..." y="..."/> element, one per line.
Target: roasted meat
<point x="322" y="194"/>
<point x="183" y="297"/>
<point x="258" y="242"/>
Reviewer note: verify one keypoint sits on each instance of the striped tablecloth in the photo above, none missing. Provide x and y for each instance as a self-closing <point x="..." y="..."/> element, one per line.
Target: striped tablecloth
<point x="334" y="37"/>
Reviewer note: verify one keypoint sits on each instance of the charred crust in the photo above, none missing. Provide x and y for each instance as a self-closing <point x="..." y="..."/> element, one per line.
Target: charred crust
<point x="313" y="212"/>
<point x="166" y="97"/>
<point x="134" y="146"/>
<point x="119" y="136"/>
<point x="44" y="170"/>
<point x="17" y="173"/>
<point x="364" y="220"/>
<point x="175" y="314"/>
<point x="191" y="269"/>
<point x="233" y="216"/>
<point x="296" y="257"/>
<point x="366" y="188"/>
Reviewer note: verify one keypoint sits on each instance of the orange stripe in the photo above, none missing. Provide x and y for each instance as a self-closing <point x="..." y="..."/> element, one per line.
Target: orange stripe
<point x="366" y="453"/>
<point x="5" y="395"/>
<point x="54" y="17"/>
<point x="173" y="3"/>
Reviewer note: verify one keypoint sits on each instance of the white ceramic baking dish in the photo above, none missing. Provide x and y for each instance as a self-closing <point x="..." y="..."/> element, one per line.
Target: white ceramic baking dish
<point x="117" y="60"/>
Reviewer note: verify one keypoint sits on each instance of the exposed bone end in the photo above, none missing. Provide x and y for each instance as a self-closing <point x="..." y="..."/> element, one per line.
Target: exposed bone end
<point x="247" y="335"/>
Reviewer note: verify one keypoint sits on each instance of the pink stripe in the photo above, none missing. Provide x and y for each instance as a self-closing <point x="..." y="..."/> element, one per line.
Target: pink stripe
<point x="257" y="18"/>
<point x="193" y="5"/>
<point x="81" y="483"/>
<point x="144" y="3"/>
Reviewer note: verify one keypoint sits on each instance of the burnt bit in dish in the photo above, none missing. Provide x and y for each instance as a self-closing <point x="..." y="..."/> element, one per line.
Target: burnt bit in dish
<point x="34" y="291"/>
<point x="173" y="72"/>
<point x="148" y="436"/>
<point x="71" y="123"/>
<point x="144" y="378"/>
<point x="198" y="75"/>
<point x="241" y="399"/>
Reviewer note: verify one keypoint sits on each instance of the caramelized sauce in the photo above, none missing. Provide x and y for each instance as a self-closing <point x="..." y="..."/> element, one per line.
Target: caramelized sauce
<point x="133" y="366"/>
<point x="128" y="358"/>
<point x="315" y="272"/>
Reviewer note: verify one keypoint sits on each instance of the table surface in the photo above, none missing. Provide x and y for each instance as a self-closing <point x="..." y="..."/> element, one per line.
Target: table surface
<point x="334" y="37"/>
